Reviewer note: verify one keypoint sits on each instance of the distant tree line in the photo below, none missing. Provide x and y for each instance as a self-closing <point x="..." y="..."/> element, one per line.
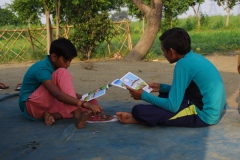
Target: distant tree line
<point x="8" y="18"/>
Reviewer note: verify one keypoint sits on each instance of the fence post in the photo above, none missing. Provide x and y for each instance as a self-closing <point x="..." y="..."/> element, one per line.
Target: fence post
<point x="30" y="37"/>
<point x="129" y="36"/>
<point x="109" y="50"/>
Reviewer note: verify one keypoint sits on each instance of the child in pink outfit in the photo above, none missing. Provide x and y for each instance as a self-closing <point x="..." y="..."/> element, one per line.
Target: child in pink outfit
<point x="47" y="91"/>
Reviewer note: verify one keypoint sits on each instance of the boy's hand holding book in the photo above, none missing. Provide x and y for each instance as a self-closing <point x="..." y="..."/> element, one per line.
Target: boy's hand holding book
<point x="155" y="86"/>
<point x="135" y="94"/>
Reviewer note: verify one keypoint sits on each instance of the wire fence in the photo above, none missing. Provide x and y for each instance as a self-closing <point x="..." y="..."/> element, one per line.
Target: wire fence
<point x="24" y="44"/>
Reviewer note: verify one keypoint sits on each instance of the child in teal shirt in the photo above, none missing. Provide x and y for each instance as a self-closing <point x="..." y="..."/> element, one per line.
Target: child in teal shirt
<point x="196" y="97"/>
<point x="47" y="90"/>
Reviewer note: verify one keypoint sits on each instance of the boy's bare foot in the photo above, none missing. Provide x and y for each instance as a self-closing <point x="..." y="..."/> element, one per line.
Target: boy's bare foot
<point x="81" y="117"/>
<point x="48" y="118"/>
<point x="126" y="118"/>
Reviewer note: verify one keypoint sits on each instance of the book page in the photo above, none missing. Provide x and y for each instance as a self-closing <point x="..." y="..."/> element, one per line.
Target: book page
<point x="94" y="94"/>
<point x="135" y="82"/>
<point x="118" y="83"/>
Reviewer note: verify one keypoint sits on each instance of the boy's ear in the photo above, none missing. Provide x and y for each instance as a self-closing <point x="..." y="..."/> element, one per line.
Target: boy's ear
<point x="175" y="55"/>
<point x="173" y="52"/>
<point x="53" y="57"/>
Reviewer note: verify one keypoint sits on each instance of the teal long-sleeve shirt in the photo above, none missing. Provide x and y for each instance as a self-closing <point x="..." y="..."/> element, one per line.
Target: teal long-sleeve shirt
<point x="200" y="80"/>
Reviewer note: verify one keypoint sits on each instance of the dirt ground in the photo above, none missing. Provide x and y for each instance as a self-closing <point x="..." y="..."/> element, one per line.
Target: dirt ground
<point x="88" y="76"/>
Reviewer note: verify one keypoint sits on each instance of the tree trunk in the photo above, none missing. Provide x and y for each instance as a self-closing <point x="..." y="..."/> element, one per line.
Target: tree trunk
<point x="197" y="15"/>
<point x="143" y="22"/>
<point x="199" y="23"/>
<point x="57" y="4"/>
<point x="153" y="17"/>
<point x="49" y="30"/>
<point x="88" y="54"/>
<point x="228" y="15"/>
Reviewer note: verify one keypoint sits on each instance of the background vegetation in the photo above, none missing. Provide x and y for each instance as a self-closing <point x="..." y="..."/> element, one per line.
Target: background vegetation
<point x="213" y="37"/>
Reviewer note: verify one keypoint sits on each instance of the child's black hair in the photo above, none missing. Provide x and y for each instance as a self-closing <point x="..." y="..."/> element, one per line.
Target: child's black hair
<point x="177" y="39"/>
<point x="63" y="47"/>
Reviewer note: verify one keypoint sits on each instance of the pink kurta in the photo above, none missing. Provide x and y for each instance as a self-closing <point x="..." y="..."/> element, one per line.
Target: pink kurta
<point x="41" y="100"/>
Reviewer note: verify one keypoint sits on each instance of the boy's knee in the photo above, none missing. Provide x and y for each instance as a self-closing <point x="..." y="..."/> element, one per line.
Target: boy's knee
<point x="136" y="110"/>
<point x="61" y="72"/>
<point x="138" y="113"/>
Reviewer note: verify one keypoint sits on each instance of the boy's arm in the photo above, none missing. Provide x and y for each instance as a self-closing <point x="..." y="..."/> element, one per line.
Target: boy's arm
<point x="165" y="88"/>
<point x="79" y="96"/>
<point x="65" y="98"/>
<point x="181" y="80"/>
<point x="157" y="87"/>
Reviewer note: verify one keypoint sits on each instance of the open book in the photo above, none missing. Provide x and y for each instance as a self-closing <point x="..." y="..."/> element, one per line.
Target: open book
<point x="94" y="94"/>
<point x="129" y="79"/>
<point x="133" y="81"/>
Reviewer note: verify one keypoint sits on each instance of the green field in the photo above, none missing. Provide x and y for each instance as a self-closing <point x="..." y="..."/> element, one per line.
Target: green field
<point x="213" y="37"/>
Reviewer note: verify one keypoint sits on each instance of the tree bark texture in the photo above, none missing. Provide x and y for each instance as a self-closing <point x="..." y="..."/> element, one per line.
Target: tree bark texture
<point x="153" y="16"/>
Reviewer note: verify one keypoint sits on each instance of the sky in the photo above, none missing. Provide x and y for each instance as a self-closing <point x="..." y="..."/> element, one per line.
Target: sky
<point x="208" y="7"/>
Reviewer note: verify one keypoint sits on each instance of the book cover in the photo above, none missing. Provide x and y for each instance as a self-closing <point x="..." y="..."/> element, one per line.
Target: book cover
<point x="102" y="118"/>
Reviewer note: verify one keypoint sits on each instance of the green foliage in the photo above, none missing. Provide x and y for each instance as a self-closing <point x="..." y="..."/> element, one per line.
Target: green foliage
<point x="37" y="55"/>
<point x="136" y="27"/>
<point x="218" y="25"/>
<point x="133" y="10"/>
<point x="215" y="41"/>
<point x="209" y="22"/>
<point x="227" y="3"/>
<point x="171" y="9"/>
<point x="28" y="11"/>
<point x="212" y="38"/>
<point x="204" y="18"/>
<point x="91" y="28"/>
<point x="8" y="18"/>
<point x="167" y="23"/>
<point x="208" y="40"/>
<point x="189" y="25"/>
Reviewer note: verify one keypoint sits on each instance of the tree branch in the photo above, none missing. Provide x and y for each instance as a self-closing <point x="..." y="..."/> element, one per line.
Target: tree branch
<point x="223" y="6"/>
<point x="141" y="6"/>
<point x="196" y="13"/>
